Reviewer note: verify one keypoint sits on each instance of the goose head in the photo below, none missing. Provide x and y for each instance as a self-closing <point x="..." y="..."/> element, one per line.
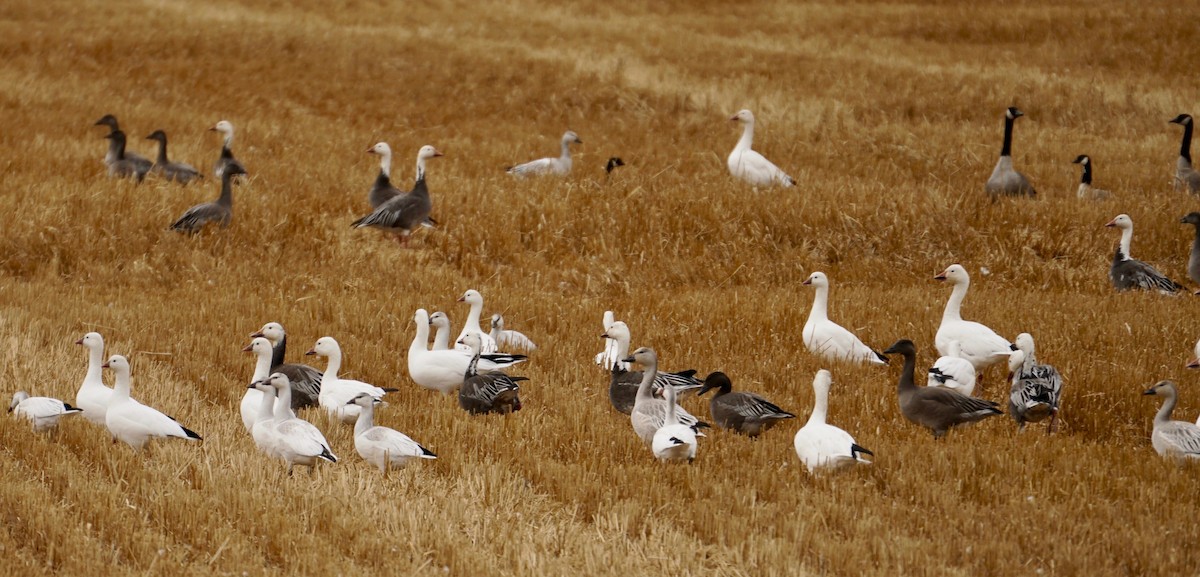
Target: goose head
<point x="426" y="152"/>
<point x="617" y="331"/>
<point x="822" y="382"/>
<point x="325" y="346"/>
<point x="364" y="400"/>
<point x="1121" y="221"/>
<point x="233" y="170"/>
<point x="381" y="148"/>
<point x="644" y="356"/>
<point x="93" y="341"/>
<point x="471" y="297"/>
<point x="613" y="163"/>
<point x="817" y="279"/>
<point x="744" y="116"/>
<point x="472" y="341"/>
<point x="279" y="381"/>
<point x="264" y="386"/>
<point x="16" y="400"/>
<point x="497" y="322"/>
<point x="271" y="331"/>
<point x="1015" y="360"/>
<point x="157" y="135"/>
<point x="902" y="347"/>
<point x="1082" y="159"/>
<point x="1013" y="112"/>
<point x="439" y="320"/>
<point x="1191" y="218"/>
<point x="1195" y="362"/>
<point x="569" y="137"/>
<point x="421" y="317"/>
<point x="1182" y="120"/>
<point x="111" y="122"/>
<point x="118" y="364"/>
<point x="260" y="346"/>
<point x="224" y="127"/>
<point x="716" y="380"/>
<point x="1024" y="343"/>
<point x="1162" y="389"/>
<point x="954" y="274"/>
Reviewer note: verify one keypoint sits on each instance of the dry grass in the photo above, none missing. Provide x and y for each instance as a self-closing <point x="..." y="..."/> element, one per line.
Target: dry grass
<point x="889" y="114"/>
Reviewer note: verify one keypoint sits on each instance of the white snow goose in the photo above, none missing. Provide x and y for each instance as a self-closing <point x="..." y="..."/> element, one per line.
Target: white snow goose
<point x="935" y="408"/>
<point x="977" y="343"/>
<point x="560" y="166"/>
<point x="141" y="163"/>
<point x="443" y="370"/>
<point x="306" y="381"/>
<point x="226" y="159"/>
<point x="649" y="413"/>
<point x="93" y="395"/>
<point x="609" y="356"/>
<point x="472" y="324"/>
<point x="263" y="428"/>
<point x="1128" y="273"/>
<point x="673" y="441"/>
<point x="488" y="392"/>
<point x="296" y="441"/>
<point x="133" y="423"/>
<point x="952" y="371"/>
<point x="508" y="339"/>
<point x="1004" y="179"/>
<point x="441" y="338"/>
<point x="402" y="214"/>
<point x="1036" y="389"/>
<point x="1193" y="363"/>
<point x="1086" y="190"/>
<point x="122" y="165"/>
<point x="821" y="446"/>
<point x="336" y="392"/>
<point x="747" y="165"/>
<point x="1186" y="177"/>
<point x="1176" y="439"/>
<point x="740" y="412"/>
<point x="252" y="397"/>
<point x="623" y="383"/>
<point x="380" y="446"/>
<point x="177" y="171"/>
<point x="42" y="412"/>
<point x="828" y="339"/>
<point x="219" y="211"/>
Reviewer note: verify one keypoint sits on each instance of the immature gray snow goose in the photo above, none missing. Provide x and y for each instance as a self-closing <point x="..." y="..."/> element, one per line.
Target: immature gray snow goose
<point x="93" y="395"/>
<point x="133" y="423"/>
<point x="827" y="339"/>
<point x="402" y="214"/>
<point x="380" y="446"/>
<point x="1128" y="273"/>
<point x="1036" y="389"/>
<point x="649" y="412"/>
<point x="142" y="163"/>
<point x="444" y="370"/>
<point x="177" y="171"/>
<point x="820" y="445"/>
<point x="977" y="343"/>
<point x="673" y="441"/>
<point x="1004" y="179"/>
<point x="747" y="165"/>
<point x="952" y="371"/>
<point x="490" y="391"/>
<point x="1178" y="439"/>
<point x="42" y="412"/>
<point x="219" y="211"/>
<point x="1193" y="265"/>
<point x="122" y="165"/>
<point x="740" y="412"/>
<point x="935" y="408"/>
<point x="508" y="340"/>
<point x="1086" y="191"/>
<point x="296" y="441"/>
<point x="472" y="324"/>
<point x="336" y="392"/>
<point x="560" y="166"/>
<point x="305" y="380"/>
<point x="226" y="159"/>
<point x="1186" y="177"/>
<point x="623" y="384"/>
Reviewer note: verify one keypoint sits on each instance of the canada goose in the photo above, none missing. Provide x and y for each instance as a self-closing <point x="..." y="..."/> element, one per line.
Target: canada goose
<point x="219" y="211"/>
<point x="226" y="159"/>
<point x="741" y="412"/>
<point x="143" y="164"/>
<point x="560" y="166"/>
<point x="1178" y="439"/>
<point x="1193" y="265"/>
<point x="1128" y="273"/>
<point x="748" y="165"/>
<point x="123" y="166"/>
<point x="1085" y="190"/>
<point x="612" y="164"/>
<point x="488" y="392"/>
<point x="1036" y="389"/>
<point x="828" y="339"/>
<point x="177" y="171"/>
<point x="1004" y="179"/>
<point x="402" y="214"/>
<point x="1186" y="177"/>
<point x="936" y="408"/>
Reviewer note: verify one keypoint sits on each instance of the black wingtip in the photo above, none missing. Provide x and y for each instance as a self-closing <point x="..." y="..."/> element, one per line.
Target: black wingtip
<point x="855" y="449"/>
<point x="191" y="434"/>
<point x="427" y="453"/>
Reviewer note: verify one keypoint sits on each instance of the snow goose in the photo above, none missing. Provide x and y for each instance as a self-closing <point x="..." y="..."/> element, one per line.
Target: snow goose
<point x="952" y="371"/>
<point x="43" y="412"/>
<point x="226" y="159"/>
<point x="177" y="171"/>
<point x="336" y="392"/>
<point x="1194" y="363"/>
<point x="123" y="166"/>
<point x="1036" y="389"/>
<point x="472" y="326"/>
<point x="1178" y="439"/>
<point x="740" y="412"/>
<point x="1086" y="191"/>
<point x="132" y="422"/>
<point x="382" y="190"/>
<point x="252" y="397"/>
<point x="441" y="339"/>
<point x="296" y="441"/>
<point x="623" y="384"/>
<point x="112" y="156"/>
<point x="443" y="370"/>
<point x="380" y="446"/>
<point x="1193" y="265"/>
<point x="93" y="396"/>
<point x="828" y="339"/>
<point x="1186" y="177"/>
<point x="219" y="211"/>
<point x="649" y="412"/>
<point x="306" y="381"/>
<point x="1128" y="273"/>
<point x="977" y="343"/>
<point x="750" y="166"/>
<point x="820" y="445"/>
<point x="263" y="428"/>
<point x="936" y="408"/>
<point x="488" y="392"/>
<point x="560" y="166"/>
<point x="673" y="441"/>
<point x="1004" y="179"/>
<point x="401" y="214"/>
<point x="508" y="340"/>
<point x="609" y="356"/>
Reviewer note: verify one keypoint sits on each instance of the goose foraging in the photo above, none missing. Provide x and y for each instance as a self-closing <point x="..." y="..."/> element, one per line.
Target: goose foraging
<point x="336" y="392"/>
<point x="1004" y="179"/>
<point x="508" y="340"/>
<point x="93" y="395"/>
<point x="977" y="343"/>
<point x="296" y="441"/>
<point x="1036" y="389"/>
<point x="176" y="171"/>
<point x="305" y="380"/>
<point x="1086" y="191"/>
<point x="1186" y="177"/>
<point x="623" y="384"/>
<point x="402" y="214"/>
<point x="820" y="445"/>
<point x="42" y="412"/>
<point x="649" y="413"/>
<point x="828" y="339"/>
<point x="444" y="370"/>
<point x="673" y="441"/>
<point x="380" y="446"/>
<point x="935" y="408"/>
<point x="122" y="165"/>
<point x="740" y="412"/>
<point x="219" y="211"/>
<point x="133" y="423"/>
<point x="490" y="391"/>
<point x="560" y="166"/>
<point x="142" y="163"/>
<point x="1128" y="273"/>
<point x="747" y="165"/>
<point x="952" y="371"/>
<point x="1176" y="439"/>
<point x="226" y="159"/>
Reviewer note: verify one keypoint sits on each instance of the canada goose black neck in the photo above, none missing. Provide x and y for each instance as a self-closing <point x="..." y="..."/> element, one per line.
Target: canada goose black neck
<point x="1006" y="150"/>
<point x="1185" y="147"/>
<point x="1087" y="171"/>
<point x="905" y="347"/>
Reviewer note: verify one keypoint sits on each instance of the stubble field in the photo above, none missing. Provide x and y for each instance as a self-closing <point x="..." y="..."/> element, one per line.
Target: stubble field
<point x="888" y="114"/>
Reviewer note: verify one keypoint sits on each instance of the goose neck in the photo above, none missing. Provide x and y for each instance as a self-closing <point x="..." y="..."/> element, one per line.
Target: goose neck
<point x="421" y="339"/>
<point x="644" y="388"/>
<point x="334" y="364"/>
<point x="226" y="198"/>
<point x="283" y="404"/>
<point x="366" y="420"/>
<point x="262" y="368"/>
<point x="953" y="310"/>
<point x="1006" y="150"/>
<point x="1185" y="148"/>
<point x="267" y="406"/>
<point x="672" y="414"/>
<point x="820" y="305"/>
<point x="747" y="139"/>
<point x="1087" y="174"/>
<point x="474" y="316"/>
<point x="566" y="150"/>
<point x="420" y="169"/>
<point x="94" y="371"/>
<point x="1164" y="412"/>
<point x="472" y="367"/>
<point x="385" y="164"/>
<point x="1126" y="240"/>
<point x="162" y="151"/>
<point x="820" y="408"/>
<point x="441" y="339"/>
<point x="121" y="386"/>
<point x="906" y="375"/>
<point x="279" y="351"/>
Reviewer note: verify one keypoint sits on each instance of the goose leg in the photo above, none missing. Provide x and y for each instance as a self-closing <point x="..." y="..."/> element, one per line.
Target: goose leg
<point x="1050" y="427"/>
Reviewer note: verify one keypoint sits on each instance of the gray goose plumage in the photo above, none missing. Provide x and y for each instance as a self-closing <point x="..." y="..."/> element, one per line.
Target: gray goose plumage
<point x="1178" y="439"/>
<point x="490" y="391"/>
<point x="122" y="165"/>
<point x="650" y="412"/>
<point x="382" y="190"/>
<point x="219" y="211"/>
<point x="1193" y="265"/>
<point x="1086" y="190"/>
<point x="177" y="171"/>
<point x="401" y="214"/>
<point x="1036" y="389"/>
<point x="623" y="383"/>
<point x="1186" y="177"/>
<point x="111" y="155"/>
<point x="1128" y="273"/>
<point x="741" y="412"/>
<point x="305" y="380"/>
<point x="226" y="159"/>
<point x="1005" y="179"/>
<point x="936" y="408"/>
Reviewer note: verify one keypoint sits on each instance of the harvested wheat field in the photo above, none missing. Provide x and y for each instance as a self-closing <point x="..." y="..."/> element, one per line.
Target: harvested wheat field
<point x="889" y="116"/>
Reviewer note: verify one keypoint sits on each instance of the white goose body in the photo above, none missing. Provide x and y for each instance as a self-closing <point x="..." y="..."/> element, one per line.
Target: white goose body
<point x="133" y="423"/>
<point x="747" y="165"/>
<point x="93" y="395"/>
<point x="263" y="428"/>
<point x="383" y="447"/>
<point x="472" y="326"/>
<point x="42" y="412"/>
<point x="252" y="398"/>
<point x="609" y="356"/>
<point x="507" y="340"/>
<point x="673" y="441"/>
<point x="952" y="371"/>
<point x="977" y="343"/>
<point x="560" y="166"/>
<point x="296" y="441"/>
<point x="828" y="339"/>
<point x="820" y="445"/>
<point x="444" y="370"/>
<point x="336" y="392"/>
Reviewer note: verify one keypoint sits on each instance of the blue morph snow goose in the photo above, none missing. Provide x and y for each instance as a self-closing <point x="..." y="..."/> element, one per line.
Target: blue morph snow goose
<point x="122" y="165"/>
<point x="1006" y="180"/>
<point x="489" y="391"/>
<point x="748" y="165"/>
<point x="1177" y="439"/>
<point x="977" y="343"/>
<point x="226" y="159"/>
<point x="935" y="408"/>
<point x="828" y="339"/>
<point x="820" y="445"/>
<point x="219" y="211"/>
<point x="305" y="380"/>
<point x="560" y="166"/>
<point x="1036" y="388"/>
<point x="172" y="171"/>
<point x="741" y="412"/>
<point x="1128" y="273"/>
<point x="402" y="214"/>
<point x="382" y="190"/>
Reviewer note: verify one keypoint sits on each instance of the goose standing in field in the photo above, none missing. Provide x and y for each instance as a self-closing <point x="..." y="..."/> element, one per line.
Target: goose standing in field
<point x="740" y="412"/>
<point x="1128" y="273"/>
<point x="1086" y="191"/>
<point x="472" y="326"/>
<point x="936" y="408"/>
<point x="444" y="370"/>
<point x="673" y="441"/>
<point x="820" y="445"/>
<point x="132" y="422"/>
<point x="560" y="166"/>
<point x="111" y="155"/>
<point x="1036" y="389"/>
<point x="296" y="441"/>
<point x="747" y="165"/>
<point x="336" y="392"/>
<point x="305" y="380"/>
<point x="1194" y="363"/>
<point x="380" y="446"/>
<point x="382" y="190"/>
<point x="649" y="413"/>
<point x="177" y="171"/>
<point x="1186" y="177"/>
<point x="219" y="211"/>
<point x="610" y="355"/>
<point x="488" y="392"/>
<point x="93" y="395"/>
<point x="123" y="166"/>
<point x="1004" y="179"/>
<point x="42" y="412"/>
<point x="952" y="371"/>
<point x="623" y="384"/>
<point x="441" y="338"/>
<point x="262" y="429"/>
<point x="401" y="214"/>
<point x="509" y="340"/>
<point x="1193" y="265"/>
<point x="827" y="339"/>
<point x="977" y="343"/>
<point x="252" y="398"/>
<point x="226" y="159"/>
<point x="1178" y="439"/>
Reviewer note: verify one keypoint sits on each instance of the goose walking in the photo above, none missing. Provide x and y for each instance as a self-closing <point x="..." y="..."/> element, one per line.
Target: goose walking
<point x="1186" y="177"/>
<point x="336" y="392"/>
<point x="42" y="412"/>
<point x="441" y="338"/>
<point x="226" y="159"/>
<point x="507" y="339"/>
<point x="1177" y="439"/>
<point x="821" y="446"/>
<point x="977" y="343"/>
<point x="952" y="371"/>
<point x="649" y="413"/>
<point x="623" y="384"/>
<point x="93" y="395"/>
<point x="305" y="380"/>
<point x="827" y="339"/>
<point x="472" y="326"/>
<point x="935" y="408"/>
<point x="1086" y="190"/>
<point x="133" y="423"/>
<point x="673" y="441"/>
<point x="296" y="441"/>
<point x="490" y="391"/>
<point x="740" y="412"/>
<point x="1004" y="179"/>
<point x="560" y="166"/>
<point x="747" y="165"/>
<point x="142" y="163"/>
<point x="219" y="211"/>
<point x="443" y="370"/>
<point x="176" y="171"/>
<point x="1193" y="265"/>
<point x="610" y="356"/>
<point x="402" y="214"/>
<point x="380" y="446"/>
<point x="122" y="165"/>
<point x="1128" y="273"/>
<point x="1036" y="389"/>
